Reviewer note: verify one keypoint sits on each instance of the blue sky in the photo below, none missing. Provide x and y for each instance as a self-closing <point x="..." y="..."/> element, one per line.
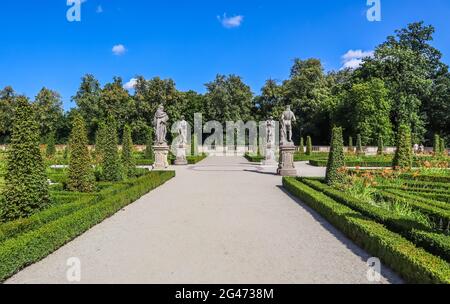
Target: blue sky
<point x="192" y="41"/>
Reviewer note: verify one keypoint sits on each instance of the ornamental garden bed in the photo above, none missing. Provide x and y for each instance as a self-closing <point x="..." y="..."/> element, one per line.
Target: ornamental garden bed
<point x="390" y="217"/>
<point x="26" y="241"/>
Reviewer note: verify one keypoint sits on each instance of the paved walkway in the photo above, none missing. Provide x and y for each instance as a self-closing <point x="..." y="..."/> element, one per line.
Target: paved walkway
<point x="222" y="221"/>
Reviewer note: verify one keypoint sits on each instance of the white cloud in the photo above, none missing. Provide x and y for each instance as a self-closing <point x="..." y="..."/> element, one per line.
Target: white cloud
<point x="99" y="9"/>
<point x="130" y="84"/>
<point x="119" y="49"/>
<point x="354" y="58"/>
<point x="231" y="22"/>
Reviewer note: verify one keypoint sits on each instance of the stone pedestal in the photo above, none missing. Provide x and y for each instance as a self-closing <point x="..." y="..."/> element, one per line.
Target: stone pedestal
<point x="286" y="164"/>
<point x="271" y="159"/>
<point x="161" y="157"/>
<point x="181" y="156"/>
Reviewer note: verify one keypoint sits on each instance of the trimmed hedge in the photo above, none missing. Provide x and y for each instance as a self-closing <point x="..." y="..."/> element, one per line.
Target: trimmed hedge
<point x="414" y="264"/>
<point x="405" y="227"/>
<point x="254" y="158"/>
<point x="365" y="164"/>
<point x="35" y="244"/>
<point x="426" y="178"/>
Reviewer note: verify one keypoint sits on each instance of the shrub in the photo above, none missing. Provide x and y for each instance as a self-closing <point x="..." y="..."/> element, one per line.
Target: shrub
<point x="336" y="159"/>
<point x="403" y="158"/>
<point x="309" y="148"/>
<point x="359" y="147"/>
<point x="380" y="146"/>
<point x="81" y="175"/>
<point x="302" y="146"/>
<point x="351" y="148"/>
<point x="128" y="164"/>
<point x="111" y="169"/>
<point x="412" y="263"/>
<point x="51" y="145"/>
<point x="148" y="153"/>
<point x="26" y="185"/>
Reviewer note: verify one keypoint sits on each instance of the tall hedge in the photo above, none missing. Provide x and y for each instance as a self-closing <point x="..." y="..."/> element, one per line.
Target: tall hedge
<point x="380" y="146"/>
<point x="148" y="153"/>
<point x="351" y="147"/>
<point x="336" y="159"/>
<point x="128" y="163"/>
<point x="309" y="145"/>
<point x="359" y="147"/>
<point x="302" y="146"/>
<point x="403" y="158"/>
<point x="51" y="145"/>
<point x="80" y="176"/>
<point x="110" y="164"/>
<point x="26" y="184"/>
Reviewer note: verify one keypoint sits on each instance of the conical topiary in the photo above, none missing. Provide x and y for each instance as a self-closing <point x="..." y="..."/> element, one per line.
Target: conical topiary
<point x="336" y="159"/>
<point x="437" y="145"/>
<point x="359" y="147"/>
<point x="194" y="145"/>
<point x="380" y="146"/>
<point x="128" y="163"/>
<point x="302" y="146"/>
<point x="51" y="145"/>
<point x="309" y="145"/>
<point x="148" y="153"/>
<point x="111" y="169"/>
<point x="403" y="156"/>
<point x="351" y="147"/>
<point x="26" y="184"/>
<point x="443" y="149"/>
<point x="100" y="140"/>
<point x="80" y="176"/>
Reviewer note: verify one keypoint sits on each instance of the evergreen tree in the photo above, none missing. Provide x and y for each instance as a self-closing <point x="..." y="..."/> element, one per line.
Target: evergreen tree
<point x="359" y="147"/>
<point x="128" y="163"/>
<point x="403" y="156"/>
<point x="26" y="184"/>
<point x="336" y="159"/>
<point x="302" y="146"/>
<point x="351" y="148"/>
<point x="80" y="176"/>
<point x="380" y="146"/>
<point x="110" y="164"/>
<point x="100" y="140"/>
<point x="51" y="145"/>
<point x="309" y="146"/>
<point x="148" y="153"/>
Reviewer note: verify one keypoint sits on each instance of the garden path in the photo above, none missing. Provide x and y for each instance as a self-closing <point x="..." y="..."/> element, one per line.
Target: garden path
<point x="224" y="220"/>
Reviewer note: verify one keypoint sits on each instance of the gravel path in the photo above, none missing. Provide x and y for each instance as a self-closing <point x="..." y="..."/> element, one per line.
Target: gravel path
<point x="222" y="221"/>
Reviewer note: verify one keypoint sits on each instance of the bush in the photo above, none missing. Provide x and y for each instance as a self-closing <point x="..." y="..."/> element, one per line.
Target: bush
<point x="414" y="264"/>
<point x="128" y="164"/>
<point x="336" y="159"/>
<point x="80" y="176"/>
<point x="110" y="165"/>
<point x="31" y="246"/>
<point x="309" y="148"/>
<point x="26" y="185"/>
<point x="403" y="158"/>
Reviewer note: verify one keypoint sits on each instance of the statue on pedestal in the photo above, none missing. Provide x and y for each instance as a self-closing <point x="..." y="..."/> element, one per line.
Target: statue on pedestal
<point x="182" y="129"/>
<point x="286" y="165"/>
<point x="270" y="127"/>
<point x="286" y="121"/>
<point x="160" y="123"/>
<point x="270" y="159"/>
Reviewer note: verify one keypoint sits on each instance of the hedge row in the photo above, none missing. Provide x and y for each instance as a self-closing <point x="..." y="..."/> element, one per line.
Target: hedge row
<point x="426" y="178"/>
<point x="368" y="164"/>
<point x="405" y="227"/>
<point x="254" y="158"/>
<point x="433" y="196"/>
<point x="30" y="247"/>
<point x="414" y="264"/>
<point x="428" y="205"/>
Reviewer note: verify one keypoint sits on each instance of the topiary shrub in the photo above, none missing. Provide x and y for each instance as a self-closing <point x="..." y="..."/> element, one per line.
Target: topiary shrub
<point x="359" y="147"/>
<point x="80" y="176"/>
<point x="148" y="153"/>
<point x="26" y="184"/>
<point x="309" y="148"/>
<point x="110" y="164"/>
<point x="301" y="148"/>
<point x="380" y="146"/>
<point x="403" y="158"/>
<point x="437" y="144"/>
<point x="128" y="163"/>
<point x="194" y="145"/>
<point x="442" y="148"/>
<point x="100" y="141"/>
<point x="336" y="159"/>
<point x="51" y="145"/>
<point x="351" y="147"/>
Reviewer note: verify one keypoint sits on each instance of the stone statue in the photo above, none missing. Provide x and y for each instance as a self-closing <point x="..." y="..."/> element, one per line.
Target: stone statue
<point x="182" y="131"/>
<point x="160" y="123"/>
<point x="286" y="126"/>
<point x="270" y="127"/>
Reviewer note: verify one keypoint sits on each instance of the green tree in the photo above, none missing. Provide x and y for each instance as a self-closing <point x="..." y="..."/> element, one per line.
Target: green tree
<point x="128" y="163"/>
<point x="403" y="156"/>
<point x="8" y="103"/>
<point x="49" y="111"/>
<point x="80" y="176"/>
<point x="309" y="147"/>
<point x="26" y="186"/>
<point x="110" y="164"/>
<point x="51" y="145"/>
<point x="336" y="160"/>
